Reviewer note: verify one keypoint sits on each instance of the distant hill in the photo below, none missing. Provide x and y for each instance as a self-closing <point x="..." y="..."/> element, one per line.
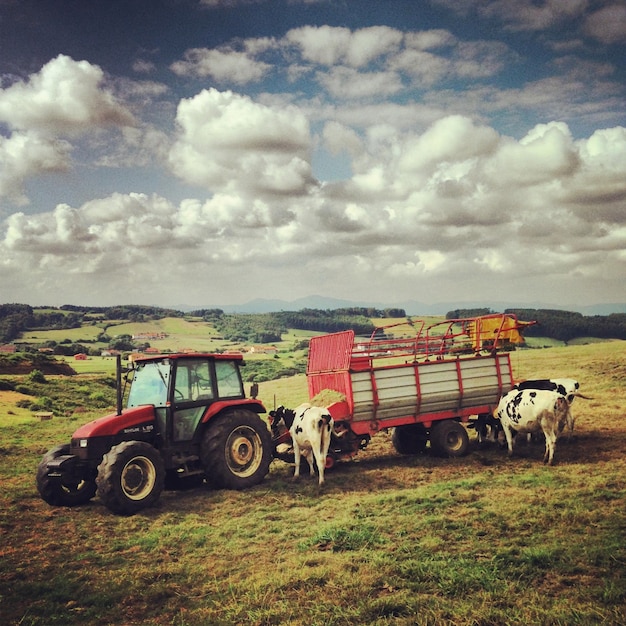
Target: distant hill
<point x="412" y="307"/>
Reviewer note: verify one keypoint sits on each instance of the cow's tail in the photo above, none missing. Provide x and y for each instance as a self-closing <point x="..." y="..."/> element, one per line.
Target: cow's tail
<point x="325" y="427"/>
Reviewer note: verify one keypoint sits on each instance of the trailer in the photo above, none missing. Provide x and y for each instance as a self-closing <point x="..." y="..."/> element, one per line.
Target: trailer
<point x="429" y="385"/>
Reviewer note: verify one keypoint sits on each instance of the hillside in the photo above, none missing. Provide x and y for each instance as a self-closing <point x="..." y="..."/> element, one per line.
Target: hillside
<point x="73" y="329"/>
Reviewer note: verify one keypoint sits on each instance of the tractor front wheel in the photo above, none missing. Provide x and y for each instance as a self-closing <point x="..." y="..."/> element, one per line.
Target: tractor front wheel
<point x="236" y="450"/>
<point x="66" y="490"/>
<point x="449" y="438"/>
<point x="131" y="477"/>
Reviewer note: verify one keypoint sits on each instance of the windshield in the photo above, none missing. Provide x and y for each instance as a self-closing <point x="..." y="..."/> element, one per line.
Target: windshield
<point x="149" y="385"/>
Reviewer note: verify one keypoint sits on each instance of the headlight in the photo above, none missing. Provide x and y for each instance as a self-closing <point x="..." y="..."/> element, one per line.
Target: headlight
<point x="82" y="443"/>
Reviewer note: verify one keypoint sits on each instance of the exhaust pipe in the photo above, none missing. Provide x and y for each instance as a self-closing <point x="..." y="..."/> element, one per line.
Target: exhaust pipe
<point x="118" y="382"/>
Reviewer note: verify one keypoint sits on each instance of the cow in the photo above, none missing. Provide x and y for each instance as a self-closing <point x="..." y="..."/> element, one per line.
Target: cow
<point x="531" y="411"/>
<point x="487" y="427"/>
<point x="281" y="414"/>
<point x="311" y="431"/>
<point x="567" y="387"/>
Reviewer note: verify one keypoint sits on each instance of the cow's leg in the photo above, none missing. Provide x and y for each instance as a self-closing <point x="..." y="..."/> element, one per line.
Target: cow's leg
<point x="310" y="459"/>
<point x="548" y="456"/>
<point x="320" y="462"/>
<point x="508" y="433"/>
<point x="570" y="424"/>
<point x="296" y="456"/>
<point x="481" y="428"/>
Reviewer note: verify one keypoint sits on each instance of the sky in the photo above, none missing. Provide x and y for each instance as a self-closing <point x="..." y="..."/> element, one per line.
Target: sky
<point x="211" y="152"/>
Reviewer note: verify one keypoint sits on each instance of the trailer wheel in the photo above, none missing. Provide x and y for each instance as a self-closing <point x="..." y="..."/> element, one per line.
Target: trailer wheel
<point x="449" y="438"/>
<point x="65" y="491"/>
<point x="409" y="439"/>
<point x="130" y="477"/>
<point x="236" y="450"/>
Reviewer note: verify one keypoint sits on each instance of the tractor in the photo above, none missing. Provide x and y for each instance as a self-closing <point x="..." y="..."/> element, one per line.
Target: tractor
<point x="186" y="419"/>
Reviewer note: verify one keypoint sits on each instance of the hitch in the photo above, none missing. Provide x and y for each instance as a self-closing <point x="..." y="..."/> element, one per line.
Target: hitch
<point x="64" y="464"/>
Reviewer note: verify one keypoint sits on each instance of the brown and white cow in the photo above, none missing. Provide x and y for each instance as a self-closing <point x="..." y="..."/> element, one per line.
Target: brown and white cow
<point x="531" y="411"/>
<point x="311" y="431"/>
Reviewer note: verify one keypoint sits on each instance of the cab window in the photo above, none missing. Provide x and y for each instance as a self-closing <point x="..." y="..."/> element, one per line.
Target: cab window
<point x="193" y="381"/>
<point x="229" y="383"/>
<point x="149" y="385"/>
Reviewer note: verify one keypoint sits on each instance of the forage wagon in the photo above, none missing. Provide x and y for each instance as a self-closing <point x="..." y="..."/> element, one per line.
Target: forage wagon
<point x="427" y="386"/>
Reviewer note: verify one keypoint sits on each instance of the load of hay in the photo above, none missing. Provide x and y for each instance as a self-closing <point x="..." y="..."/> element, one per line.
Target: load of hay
<point x="326" y="397"/>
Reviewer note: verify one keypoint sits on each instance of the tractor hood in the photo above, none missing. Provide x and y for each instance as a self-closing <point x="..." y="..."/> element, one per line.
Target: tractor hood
<point x="114" y="423"/>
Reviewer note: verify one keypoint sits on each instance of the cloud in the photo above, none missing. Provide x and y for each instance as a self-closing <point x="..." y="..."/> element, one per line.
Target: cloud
<point x="331" y="45"/>
<point x="520" y="14"/>
<point x="608" y="24"/>
<point x="64" y="100"/>
<point x="141" y="66"/>
<point x="450" y="208"/>
<point x="351" y="64"/>
<point x="228" y="141"/>
<point x="547" y="153"/>
<point x="25" y="154"/>
<point x="347" y="83"/>
<point x="323" y="45"/>
<point x="65" y="97"/>
<point x="221" y="64"/>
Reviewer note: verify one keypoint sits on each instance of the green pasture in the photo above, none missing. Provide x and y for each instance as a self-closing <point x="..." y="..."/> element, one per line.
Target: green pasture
<point x="75" y="335"/>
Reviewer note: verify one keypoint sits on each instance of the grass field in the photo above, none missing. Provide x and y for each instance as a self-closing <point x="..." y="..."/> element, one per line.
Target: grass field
<point x="390" y="539"/>
<point x="181" y="334"/>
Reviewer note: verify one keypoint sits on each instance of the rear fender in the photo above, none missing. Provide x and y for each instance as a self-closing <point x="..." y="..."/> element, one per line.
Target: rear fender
<point x="223" y="405"/>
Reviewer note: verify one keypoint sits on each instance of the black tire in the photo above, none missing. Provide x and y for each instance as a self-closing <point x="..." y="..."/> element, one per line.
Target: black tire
<point x="64" y="492"/>
<point x="409" y="439"/>
<point x="130" y="477"/>
<point x="236" y="450"/>
<point x="449" y="438"/>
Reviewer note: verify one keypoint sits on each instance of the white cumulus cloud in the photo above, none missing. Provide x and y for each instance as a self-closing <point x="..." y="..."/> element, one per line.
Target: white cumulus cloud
<point x="64" y="97"/>
<point x="228" y="141"/>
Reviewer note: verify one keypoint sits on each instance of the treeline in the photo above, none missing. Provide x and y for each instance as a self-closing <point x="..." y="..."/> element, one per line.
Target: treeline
<point x="356" y="319"/>
<point x="130" y="312"/>
<point x="269" y="327"/>
<point x="459" y="314"/>
<point x="557" y="324"/>
<point x="567" y="325"/>
<point x="17" y="318"/>
<point x="257" y="328"/>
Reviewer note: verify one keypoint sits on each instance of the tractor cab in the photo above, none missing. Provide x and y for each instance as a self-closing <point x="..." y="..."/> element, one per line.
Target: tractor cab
<point x="181" y="388"/>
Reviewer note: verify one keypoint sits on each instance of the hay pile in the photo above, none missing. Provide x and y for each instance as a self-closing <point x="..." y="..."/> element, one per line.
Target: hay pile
<point x="326" y="397"/>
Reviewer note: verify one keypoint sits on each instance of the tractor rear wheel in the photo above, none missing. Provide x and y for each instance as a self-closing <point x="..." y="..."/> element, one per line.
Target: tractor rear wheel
<point x="236" y="450"/>
<point x="409" y="439"/>
<point x="449" y="438"/>
<point x="66" y="491"/>
<point x="130" y="477"/>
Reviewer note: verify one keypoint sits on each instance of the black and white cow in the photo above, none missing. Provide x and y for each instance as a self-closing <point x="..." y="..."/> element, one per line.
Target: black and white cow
<point x="532" y="411"/>
<point x="487" y="427"/>
<point x="311" y="431"/>
<point x="567" y="387"/>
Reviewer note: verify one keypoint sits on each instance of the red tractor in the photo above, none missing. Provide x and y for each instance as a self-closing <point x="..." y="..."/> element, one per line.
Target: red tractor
<point x="187" y="417"/>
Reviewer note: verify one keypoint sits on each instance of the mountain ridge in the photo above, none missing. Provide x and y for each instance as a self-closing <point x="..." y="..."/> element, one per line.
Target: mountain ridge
<point x="412" y="307"/>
